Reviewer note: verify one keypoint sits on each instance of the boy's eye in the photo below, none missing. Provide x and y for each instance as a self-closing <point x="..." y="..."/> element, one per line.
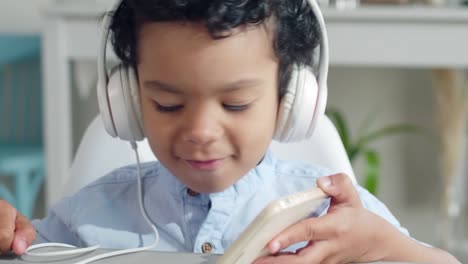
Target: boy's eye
<point x="167" y="108"/>
<point x="235" y="107"/>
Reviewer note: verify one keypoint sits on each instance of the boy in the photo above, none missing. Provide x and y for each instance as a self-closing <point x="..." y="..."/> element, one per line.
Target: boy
<point x="210" y="75"/>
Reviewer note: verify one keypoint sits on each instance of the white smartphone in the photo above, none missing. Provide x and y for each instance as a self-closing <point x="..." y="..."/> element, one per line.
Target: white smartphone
<point x="276" y="217"/>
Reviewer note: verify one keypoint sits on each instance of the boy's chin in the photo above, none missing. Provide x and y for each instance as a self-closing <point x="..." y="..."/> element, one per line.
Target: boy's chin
<point x="213" y="187"/>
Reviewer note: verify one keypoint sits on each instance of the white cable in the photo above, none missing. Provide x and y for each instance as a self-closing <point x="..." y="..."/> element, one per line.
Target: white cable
<point x="58" y="253"/>
<point x="89" y="249"/>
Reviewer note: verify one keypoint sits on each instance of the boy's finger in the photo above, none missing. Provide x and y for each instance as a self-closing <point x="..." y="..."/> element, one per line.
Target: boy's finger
<point x="340" y="188"/>
<point x="24" y="234"/>
<point x="7" y="226"/>
<point x="306" y="230"/>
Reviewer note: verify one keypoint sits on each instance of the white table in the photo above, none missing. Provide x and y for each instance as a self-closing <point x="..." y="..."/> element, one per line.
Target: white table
<point x="421" y="37"/>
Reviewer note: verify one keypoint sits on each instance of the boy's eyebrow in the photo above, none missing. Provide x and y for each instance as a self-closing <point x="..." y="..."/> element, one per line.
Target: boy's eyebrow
<point x="236" y="85"/>
<point x="243" y="83"/>
<point x="160" y="86"/>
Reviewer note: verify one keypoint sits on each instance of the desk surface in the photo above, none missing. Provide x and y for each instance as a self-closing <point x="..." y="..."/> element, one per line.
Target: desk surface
<point x="141" y="258"/>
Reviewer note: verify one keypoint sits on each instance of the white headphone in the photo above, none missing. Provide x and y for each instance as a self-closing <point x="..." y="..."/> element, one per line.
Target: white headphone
<point x="300" y="108"/>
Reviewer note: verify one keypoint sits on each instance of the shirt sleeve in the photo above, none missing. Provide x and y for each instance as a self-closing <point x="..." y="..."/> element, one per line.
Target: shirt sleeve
<point x="56" y="226"/>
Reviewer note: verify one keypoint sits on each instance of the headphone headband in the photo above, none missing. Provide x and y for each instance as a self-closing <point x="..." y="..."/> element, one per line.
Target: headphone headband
<point x="323" y="66"/>
<point x="103" y="77"/>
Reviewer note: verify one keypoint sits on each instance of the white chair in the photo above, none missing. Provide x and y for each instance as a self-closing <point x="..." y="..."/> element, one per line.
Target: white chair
<point x="99" y="153"/>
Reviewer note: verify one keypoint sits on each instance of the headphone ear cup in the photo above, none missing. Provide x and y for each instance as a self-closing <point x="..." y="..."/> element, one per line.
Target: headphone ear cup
<point x="319" y="109"/>
<point x="285" y="106"/>
<point x="297" y="107"/>
<point x="124" y="102"/>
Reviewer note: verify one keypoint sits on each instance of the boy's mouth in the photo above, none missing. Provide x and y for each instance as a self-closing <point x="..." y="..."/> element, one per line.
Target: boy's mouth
<point x="212" y="164"/>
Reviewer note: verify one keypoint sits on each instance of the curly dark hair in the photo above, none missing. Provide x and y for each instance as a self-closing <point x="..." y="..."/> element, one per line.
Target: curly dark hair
<point x="296" y="36"/>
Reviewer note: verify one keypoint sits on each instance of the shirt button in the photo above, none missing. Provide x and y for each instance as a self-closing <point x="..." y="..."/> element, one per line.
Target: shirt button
<point x="207" y="248"/>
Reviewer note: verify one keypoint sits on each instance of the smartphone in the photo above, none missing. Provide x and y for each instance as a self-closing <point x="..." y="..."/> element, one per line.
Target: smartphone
<point x="276" y="217"/>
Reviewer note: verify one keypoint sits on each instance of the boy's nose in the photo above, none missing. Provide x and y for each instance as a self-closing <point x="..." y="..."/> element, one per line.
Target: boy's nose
<point x="201" y="128"/>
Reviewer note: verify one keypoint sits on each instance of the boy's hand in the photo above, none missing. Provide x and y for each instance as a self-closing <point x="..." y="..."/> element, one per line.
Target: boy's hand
<point x="347" y="233"/>
<point x="16" y="232"/>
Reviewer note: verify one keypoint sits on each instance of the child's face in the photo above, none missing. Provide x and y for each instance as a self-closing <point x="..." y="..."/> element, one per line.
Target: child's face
<point x="209" y="106"/>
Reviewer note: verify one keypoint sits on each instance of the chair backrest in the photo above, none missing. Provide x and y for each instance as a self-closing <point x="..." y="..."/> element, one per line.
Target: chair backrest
<point x="97" y="153"/>
<point x="324" y="148"/>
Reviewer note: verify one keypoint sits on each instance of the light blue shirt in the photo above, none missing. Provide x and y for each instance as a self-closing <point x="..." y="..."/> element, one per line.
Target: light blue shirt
<point x="106" y="212"/>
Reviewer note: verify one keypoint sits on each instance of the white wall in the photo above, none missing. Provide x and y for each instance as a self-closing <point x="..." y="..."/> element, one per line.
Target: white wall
<point x="21" y="16"/>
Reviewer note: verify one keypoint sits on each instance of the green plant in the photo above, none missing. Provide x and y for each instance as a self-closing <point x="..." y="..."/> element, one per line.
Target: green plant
<point x="361" y="145"/>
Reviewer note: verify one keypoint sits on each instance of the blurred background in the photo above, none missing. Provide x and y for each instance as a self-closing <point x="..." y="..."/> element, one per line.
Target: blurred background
<point x="398" y="93"/>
